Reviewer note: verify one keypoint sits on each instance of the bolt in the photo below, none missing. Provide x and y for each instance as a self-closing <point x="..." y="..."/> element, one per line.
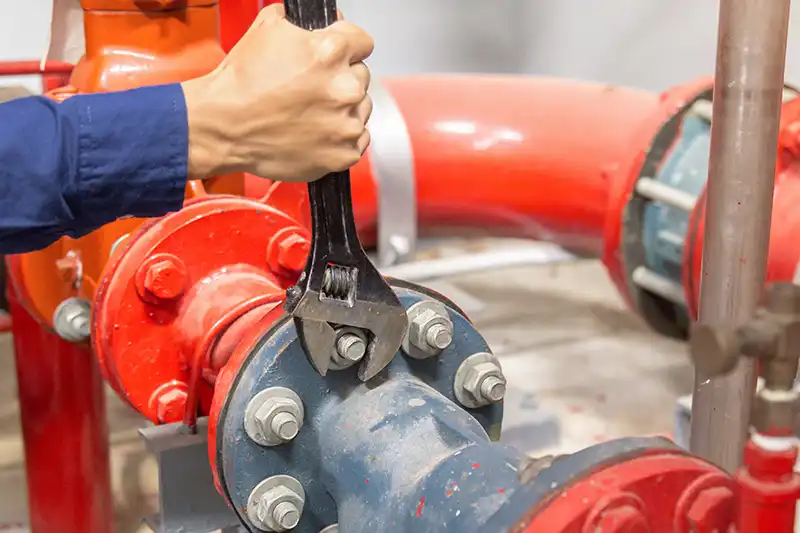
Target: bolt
<point x="171" y="405"/>
<point x="286" y="515"/>
<point x="439" y="336"/>
<point x="493" y="388"/>
<point x="274" y="416"/>
<point x="72" y="320"/>
<point x="351" y="347"/>
<point x="165" y="279"/>
<point x="285" y="426"/>
<point x="712" y="511"/>
<point x="479" y="381"/>
<point x="293" y="252"/>
<point x="276" y="504"/>
<point x="430" y="329"/>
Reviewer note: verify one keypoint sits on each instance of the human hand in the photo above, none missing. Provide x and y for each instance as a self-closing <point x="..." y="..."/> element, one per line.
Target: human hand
<point x="286" y="104"/>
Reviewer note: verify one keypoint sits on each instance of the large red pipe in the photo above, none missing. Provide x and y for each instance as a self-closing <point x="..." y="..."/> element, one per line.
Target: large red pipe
<point x="512" y="156"/>
<point x="64" y="429"/>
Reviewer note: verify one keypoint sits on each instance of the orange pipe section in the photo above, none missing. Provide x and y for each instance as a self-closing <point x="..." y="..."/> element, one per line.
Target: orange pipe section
<point x="512" y="156"/>
<point x="129" y="43"/>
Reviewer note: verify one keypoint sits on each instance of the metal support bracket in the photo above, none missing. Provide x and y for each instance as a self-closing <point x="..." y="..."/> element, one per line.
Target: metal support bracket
<point x="392" y="163"/>
<point x="188" y="500"/>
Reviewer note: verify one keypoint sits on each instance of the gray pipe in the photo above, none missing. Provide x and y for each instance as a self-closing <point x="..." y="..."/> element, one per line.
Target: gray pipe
<point x="751" y="54"/>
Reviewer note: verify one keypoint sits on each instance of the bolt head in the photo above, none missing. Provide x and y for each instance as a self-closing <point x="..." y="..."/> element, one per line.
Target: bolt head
<point x="171" y="406"/>
<point x="165" y="279"/>
<point x="293" y="252"/>
<point x="280" y="509"/>
<point x="625" y="519"/>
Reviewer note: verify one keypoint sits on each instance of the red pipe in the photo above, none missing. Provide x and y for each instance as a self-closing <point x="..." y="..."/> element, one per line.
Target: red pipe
<point x="768" y="490"/>
<point x="64" y="429"/>
<point x="235" y="17"/>
<point x="512" y="156"/>
<point x="23" y="68"/>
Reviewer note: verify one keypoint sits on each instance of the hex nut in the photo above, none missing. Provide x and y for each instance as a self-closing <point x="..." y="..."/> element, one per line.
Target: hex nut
<point x="165" y="279"/>
<point x="274" y="416"/>
<point x="287" y="251"/>
<point x="712" y="510"/>
<point x="161" y="278"/>
<point x="171" y="405"/>
<point x="430" y="330"/>
<point x="293" y="252"/>
<point x="774" y="409"/>
<point x="479" y="381"/>
<point x="276" y="504"/>
<point x="72" y="319"/>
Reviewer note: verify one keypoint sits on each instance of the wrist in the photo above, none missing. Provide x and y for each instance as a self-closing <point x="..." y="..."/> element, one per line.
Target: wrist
<point x="210" y="145"/>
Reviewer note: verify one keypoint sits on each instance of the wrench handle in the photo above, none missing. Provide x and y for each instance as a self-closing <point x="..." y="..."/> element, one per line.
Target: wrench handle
<point x="334" y="236"/>
<point x="311" y="14"/>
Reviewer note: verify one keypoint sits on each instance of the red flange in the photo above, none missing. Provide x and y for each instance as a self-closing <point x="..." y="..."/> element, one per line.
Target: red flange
<point x="664" y="492"/>
<point x="177" y="285"/>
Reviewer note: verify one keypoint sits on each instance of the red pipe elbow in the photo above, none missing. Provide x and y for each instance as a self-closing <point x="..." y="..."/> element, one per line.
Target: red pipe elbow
<point x="512" y="156"/>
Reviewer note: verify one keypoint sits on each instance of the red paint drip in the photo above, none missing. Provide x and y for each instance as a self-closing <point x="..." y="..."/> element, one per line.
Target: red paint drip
<point x="366" y="481"/>
<point x="501" y="491"/>
<point x="476" y="465"/>
<point x="420" y="506"/>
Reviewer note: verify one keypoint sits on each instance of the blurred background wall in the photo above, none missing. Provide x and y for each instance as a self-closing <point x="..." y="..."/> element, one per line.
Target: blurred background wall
<point x="651" y="44"/>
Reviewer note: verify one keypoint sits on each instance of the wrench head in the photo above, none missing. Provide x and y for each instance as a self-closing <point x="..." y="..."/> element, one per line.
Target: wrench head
<point x="386" y="323"/>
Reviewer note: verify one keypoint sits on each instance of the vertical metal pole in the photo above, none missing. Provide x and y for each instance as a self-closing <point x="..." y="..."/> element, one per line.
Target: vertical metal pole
<point x="751" y="53"/>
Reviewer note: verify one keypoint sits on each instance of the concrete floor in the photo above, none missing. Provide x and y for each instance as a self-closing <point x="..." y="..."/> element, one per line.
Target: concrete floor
<point x="581" y="369"/>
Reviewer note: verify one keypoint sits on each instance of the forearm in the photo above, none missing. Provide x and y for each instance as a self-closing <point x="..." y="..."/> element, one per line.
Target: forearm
<point x="69" y="168"/>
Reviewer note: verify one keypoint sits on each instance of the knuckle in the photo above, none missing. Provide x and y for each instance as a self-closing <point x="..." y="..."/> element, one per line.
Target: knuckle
<point x="347" y="89"/>
<point x="352" y="130"/>
<point x="331" y="48"/>
<point x="271" y="13"/>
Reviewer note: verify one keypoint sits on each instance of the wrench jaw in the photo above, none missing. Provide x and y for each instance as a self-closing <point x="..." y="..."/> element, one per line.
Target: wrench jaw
<point x="317" y="339"/>
<point x="386" y="322"/>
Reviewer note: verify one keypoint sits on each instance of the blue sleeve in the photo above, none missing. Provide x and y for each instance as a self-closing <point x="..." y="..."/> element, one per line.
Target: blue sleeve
<point x="67" y="169"/>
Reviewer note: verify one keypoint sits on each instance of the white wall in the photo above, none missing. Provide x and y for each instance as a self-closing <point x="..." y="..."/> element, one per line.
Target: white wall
<point x="24" y="29"/>
<point x="646" y="43"/>
<point x="651" y="44"/>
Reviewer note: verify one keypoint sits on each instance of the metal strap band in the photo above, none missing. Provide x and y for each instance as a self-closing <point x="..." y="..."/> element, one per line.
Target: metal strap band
<point x="392" y="162"/>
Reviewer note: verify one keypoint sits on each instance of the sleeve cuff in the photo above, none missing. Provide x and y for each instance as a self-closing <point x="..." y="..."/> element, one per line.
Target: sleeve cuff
<point x="133" y="153"/>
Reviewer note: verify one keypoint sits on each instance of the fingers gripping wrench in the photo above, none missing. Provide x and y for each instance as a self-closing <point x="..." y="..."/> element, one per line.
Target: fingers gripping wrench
<point x="340" y="287"/>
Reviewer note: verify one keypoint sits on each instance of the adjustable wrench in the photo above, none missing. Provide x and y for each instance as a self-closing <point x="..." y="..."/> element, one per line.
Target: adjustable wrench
<point x="340" y="287"/>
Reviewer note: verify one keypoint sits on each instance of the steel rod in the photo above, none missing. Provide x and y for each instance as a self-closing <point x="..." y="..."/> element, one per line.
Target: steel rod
<point x="751" y="54"/>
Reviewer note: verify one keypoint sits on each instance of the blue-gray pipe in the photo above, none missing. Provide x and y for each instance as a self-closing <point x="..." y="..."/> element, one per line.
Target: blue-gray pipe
<point x="402" y="457"/>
